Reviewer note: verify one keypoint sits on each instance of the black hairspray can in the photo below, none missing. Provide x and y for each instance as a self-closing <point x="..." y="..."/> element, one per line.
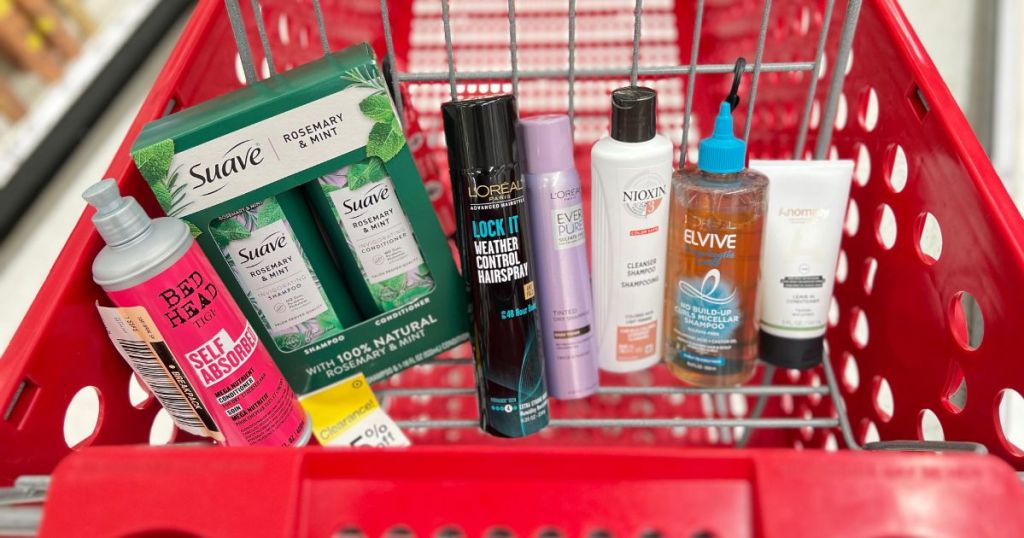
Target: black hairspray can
<point x="494" y="245"/>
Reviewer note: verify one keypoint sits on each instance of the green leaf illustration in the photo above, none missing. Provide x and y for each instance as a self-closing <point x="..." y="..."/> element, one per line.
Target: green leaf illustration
<point x="290" y="341"/>
<point x="385" y="141"/>
<point x="225" y="232"/>
<point x="162" y="194"/>
<point x="329" y="187"/>
<point x="366" y="171"/>
<point x="329" y="322"/>
<point x="423" y="270"/>
<point x="196" y="230"/>
<point x="396" y="282"/>
<point x="411" y="295"/>
<point x="269" y="213"/>
<point x="377" y="107"/>
<point x="154" y="161"/>
<point x="366" y="76"/>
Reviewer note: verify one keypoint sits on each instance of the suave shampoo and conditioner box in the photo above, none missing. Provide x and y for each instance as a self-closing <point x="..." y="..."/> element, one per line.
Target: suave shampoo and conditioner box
<point x="238" y="168"/>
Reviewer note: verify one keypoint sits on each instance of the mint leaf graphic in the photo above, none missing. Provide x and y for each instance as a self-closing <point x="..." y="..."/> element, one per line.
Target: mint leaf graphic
<point x="269" y="213"/>
<point x="162" y="194"/>
<point x="290" y="341"/>
<point x="411" y="294"/>
<point x="366" y="171"/>
<point x="225" y="232"/>
<point x="329" y="322"/>
<point x="329" y="187"/>
<point x="355" y="183"/>
<point x="385" y="141"/>
<point x="377" y="107"/>
<point x="196" y="230"/>
<point x="154" y="161"/>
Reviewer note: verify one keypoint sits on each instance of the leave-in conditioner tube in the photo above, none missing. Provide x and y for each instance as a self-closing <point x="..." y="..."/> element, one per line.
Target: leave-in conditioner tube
<point x="806" y="208"/>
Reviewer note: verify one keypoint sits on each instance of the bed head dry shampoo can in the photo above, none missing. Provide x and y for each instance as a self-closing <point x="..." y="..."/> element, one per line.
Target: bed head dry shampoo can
<point x="560" y="255"/>
<point x="631" y="172"/>
<point x="494" y="243"/>
<point x="200" y="331"/>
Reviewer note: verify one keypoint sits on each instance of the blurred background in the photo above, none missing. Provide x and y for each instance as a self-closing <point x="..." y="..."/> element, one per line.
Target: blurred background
<point x="73" y="73"/>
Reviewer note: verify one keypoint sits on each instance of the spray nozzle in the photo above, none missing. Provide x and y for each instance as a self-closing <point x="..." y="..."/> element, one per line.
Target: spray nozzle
<point x="118" y="219"/>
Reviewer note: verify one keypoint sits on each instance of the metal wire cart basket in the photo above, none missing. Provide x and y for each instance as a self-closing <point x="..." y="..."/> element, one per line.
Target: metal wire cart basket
<point x="921" y="339"/>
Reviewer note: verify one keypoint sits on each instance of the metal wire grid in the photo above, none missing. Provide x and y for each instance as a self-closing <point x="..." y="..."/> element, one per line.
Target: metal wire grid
<point x="634" y="71"/>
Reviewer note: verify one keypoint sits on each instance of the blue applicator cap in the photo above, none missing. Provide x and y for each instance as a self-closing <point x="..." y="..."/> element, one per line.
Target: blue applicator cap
<point x="722" y="152"/>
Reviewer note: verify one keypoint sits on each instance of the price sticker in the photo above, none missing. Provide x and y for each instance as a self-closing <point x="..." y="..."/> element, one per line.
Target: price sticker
<point x="348" y="414"/>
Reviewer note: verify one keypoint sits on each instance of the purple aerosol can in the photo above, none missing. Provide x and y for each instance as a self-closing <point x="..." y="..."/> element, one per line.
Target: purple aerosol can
<point x="555" y="200"/>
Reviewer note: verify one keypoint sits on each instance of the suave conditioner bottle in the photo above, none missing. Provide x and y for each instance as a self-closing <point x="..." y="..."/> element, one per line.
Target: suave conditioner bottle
<point x="493" y="235"/>
<point x="631" y="173"/>
<point x="372" y="237"/>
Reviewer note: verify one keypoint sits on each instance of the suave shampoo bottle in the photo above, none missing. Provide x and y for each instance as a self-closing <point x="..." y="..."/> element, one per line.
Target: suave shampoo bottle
<point x="631" y="175"/>
<point x="278" y="257"/>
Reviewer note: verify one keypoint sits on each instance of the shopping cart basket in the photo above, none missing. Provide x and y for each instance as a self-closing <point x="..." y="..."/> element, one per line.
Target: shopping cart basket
<point x="923" y="322"/>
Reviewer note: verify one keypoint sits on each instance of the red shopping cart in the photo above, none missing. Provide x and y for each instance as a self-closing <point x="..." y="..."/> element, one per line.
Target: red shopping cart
<point x="921" y="332"/>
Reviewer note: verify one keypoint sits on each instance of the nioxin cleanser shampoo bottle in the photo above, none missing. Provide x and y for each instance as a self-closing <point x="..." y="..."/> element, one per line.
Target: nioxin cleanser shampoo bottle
<point x="631" y="174"/>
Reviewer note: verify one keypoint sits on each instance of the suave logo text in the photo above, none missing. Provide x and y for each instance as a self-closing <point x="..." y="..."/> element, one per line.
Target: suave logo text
<point x="644" y="195"/>
<point x="709" y="240"/>
<point x="188" y="300"/>
<point x="817" y="213"/>
<point x="211" y="178"/>
<point x="355" y="207"/>
<point x="499" y="191"/>
<point x="251" y="257"/>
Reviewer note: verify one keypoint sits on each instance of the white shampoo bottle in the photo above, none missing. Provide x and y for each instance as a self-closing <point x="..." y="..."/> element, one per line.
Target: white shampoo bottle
<point x="630" y="180"/>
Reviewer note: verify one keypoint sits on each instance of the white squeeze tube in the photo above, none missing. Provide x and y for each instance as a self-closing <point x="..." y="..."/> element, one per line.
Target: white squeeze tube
<point x="804" y="225"/>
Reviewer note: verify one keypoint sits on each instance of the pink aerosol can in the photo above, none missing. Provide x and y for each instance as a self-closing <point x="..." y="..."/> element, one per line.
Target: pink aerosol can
<point x="186" y="325"/>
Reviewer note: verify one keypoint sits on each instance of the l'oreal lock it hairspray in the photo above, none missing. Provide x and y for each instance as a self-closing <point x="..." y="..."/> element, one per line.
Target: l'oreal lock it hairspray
<point x="494" y="243"/>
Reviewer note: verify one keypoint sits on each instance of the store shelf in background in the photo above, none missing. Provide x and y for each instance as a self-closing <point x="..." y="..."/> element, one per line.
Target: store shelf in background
<point x="33" y="148"/>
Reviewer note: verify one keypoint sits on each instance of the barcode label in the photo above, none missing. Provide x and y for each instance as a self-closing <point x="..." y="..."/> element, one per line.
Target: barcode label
<point x="143" y="359"/>
<point x="137" y="339"/>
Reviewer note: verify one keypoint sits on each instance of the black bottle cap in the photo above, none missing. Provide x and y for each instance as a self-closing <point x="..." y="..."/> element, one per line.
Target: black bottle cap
<point x="791" y="352"/>
<point x="634" y="114"/>
<point x="481" y="133"/>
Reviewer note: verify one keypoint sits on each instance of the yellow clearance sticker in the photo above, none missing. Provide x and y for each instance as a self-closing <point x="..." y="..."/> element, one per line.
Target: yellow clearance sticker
<point x="348" y="414"/>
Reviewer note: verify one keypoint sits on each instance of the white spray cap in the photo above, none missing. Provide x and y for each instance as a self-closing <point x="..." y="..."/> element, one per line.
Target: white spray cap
<point x="119" y="219"/>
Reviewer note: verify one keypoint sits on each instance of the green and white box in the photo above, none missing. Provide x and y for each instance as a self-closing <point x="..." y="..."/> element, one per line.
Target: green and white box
<point x="248" y="171"/>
